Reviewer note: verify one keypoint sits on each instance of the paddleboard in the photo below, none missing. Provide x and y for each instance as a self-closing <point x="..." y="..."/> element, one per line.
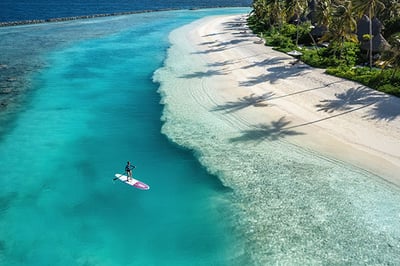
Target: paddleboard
<point x="132" y="182"/>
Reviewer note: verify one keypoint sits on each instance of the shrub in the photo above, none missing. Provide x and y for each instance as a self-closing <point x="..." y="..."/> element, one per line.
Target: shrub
<point x="390" y="89"/>
<point x="351" y="52"/>
<point x="382" y="80"/>
<point x="304" y="33"/>
<point x="289" y="30"/>
<point x="313" y="58"/>
<point x="279" y="40"/>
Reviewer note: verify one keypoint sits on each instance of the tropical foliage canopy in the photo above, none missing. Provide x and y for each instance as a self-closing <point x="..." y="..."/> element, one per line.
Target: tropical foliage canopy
<point x="343" y="34"/>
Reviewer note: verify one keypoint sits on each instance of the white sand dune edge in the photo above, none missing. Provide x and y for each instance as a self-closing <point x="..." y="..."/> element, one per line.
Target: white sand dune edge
<point x="250" y="85"/>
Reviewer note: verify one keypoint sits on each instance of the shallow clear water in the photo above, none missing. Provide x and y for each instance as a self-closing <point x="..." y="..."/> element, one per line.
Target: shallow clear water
<point x="92" y="107"/>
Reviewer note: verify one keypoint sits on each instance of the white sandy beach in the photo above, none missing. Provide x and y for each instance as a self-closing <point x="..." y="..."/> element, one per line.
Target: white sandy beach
<point x="255" y="86"/>
<point x="307" y="155"/>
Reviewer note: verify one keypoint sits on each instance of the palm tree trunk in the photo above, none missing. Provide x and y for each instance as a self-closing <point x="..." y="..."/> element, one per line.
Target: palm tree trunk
<point x="297" y="33"/>
<point x="370" y="38"/>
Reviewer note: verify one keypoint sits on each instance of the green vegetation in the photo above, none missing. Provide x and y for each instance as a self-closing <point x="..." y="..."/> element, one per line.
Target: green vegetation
<point x="325" y="32"/>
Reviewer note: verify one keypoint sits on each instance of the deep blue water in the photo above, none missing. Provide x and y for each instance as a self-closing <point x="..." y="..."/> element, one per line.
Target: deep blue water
<point x="15" y="10"/>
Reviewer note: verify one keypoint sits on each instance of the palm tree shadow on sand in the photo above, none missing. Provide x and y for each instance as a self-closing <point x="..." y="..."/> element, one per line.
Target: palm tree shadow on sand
<point x="346" y="101"/>
<point x="274" y="131"/>
<point x="244" y="102"/>
<point x="386" y="107"/>
<point x="203" y="74"/>
<point x="273" y="75"/>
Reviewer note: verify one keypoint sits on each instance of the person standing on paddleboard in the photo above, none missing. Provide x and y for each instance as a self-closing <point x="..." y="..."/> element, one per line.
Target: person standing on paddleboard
<point x="128" y="170"/>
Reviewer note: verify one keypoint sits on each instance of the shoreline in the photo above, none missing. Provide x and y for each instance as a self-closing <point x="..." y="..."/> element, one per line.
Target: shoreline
<point x="306" y="169"/>
<point x="302" y="105"/>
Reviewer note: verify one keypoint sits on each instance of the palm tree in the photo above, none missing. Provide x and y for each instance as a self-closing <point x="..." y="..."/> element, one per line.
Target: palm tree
<point x="341" y="26"/>
<point x="392" y="55"/>
<point x="260" y="12"/>
<point x="324" y="11"/>
<point x="392" y="8"/>
<point x="276" y="12"/>
<point x="296" y="8"/>
<point x="370" y="7"/>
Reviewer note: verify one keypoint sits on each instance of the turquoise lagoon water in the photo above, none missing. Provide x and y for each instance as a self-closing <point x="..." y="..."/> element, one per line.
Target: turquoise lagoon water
<point x="88" y="105"/>
<point x="91" y="107"/>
